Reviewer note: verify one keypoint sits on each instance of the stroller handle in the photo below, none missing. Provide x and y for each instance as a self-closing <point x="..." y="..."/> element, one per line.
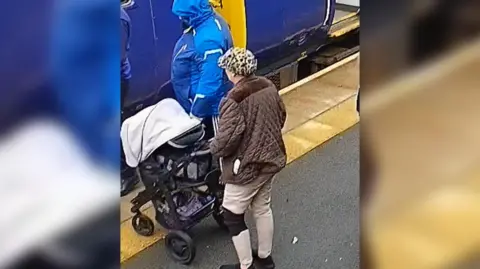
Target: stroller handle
<point x="200" y="153"/>
<point x="183" y="161"/>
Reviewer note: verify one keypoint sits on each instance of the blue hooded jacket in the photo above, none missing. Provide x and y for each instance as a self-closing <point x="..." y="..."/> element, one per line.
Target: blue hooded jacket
<point x="198" y="82"/>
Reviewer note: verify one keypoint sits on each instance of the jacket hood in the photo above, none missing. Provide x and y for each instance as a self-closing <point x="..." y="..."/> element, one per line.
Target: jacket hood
<point x="192" y="12"/>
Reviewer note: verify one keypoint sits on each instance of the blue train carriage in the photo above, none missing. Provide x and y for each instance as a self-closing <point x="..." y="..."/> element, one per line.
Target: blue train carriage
<point x="279" y="32"/>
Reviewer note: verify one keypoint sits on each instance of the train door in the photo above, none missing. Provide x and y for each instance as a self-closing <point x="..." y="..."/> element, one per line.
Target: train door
<point x="142" y="47"/>
<point x="233" y="11"/>
<point x="305" y="14"/>
<point x="306" y="25"/>
<point x="264" y="29"/>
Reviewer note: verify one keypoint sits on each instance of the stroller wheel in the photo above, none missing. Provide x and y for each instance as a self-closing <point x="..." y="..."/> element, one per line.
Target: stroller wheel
<point x="180" y="247"/>
<point x="143" y="225"/>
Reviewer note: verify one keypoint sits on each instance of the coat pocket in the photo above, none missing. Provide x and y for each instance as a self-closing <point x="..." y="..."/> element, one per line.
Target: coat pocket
<point x="236" y="166"/>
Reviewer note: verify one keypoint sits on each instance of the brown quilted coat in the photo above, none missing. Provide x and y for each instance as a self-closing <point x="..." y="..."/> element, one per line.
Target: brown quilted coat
<point x="249" y="139"/>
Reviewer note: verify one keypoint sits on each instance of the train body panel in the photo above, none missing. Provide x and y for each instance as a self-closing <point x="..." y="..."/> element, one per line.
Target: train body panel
<point x="277" y="31"/>
<point x="154" y="33"/>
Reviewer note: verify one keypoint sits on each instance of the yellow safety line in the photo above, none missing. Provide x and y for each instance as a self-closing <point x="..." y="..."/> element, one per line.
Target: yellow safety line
<point x="320" y="129"/>
<point x="131" y="243"/>
<point x="346" y="17"/>
<point x="346" y="29"/>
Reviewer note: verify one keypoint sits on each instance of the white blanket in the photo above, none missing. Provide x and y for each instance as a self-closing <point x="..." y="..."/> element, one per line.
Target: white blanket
<point x="158" y="124"/>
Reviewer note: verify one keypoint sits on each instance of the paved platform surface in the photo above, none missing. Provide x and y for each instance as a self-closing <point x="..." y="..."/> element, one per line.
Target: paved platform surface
<point x="315" y="199"/>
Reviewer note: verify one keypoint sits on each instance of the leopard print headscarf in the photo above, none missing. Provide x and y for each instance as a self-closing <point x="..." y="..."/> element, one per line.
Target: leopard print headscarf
<point x="239" y="61"/>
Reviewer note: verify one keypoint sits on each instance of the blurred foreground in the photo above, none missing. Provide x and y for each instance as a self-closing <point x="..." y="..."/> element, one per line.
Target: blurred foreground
<point x="420" y="144"/>
<point x="59" y="112"/>
<point x="50" y="191"/>
<point x="423" y="133"/>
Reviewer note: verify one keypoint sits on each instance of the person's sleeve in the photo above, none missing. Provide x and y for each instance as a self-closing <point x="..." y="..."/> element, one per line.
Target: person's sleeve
<point x="230" y="130"/>
<point x="283" y="112"/>
<point x="211" y="77"/>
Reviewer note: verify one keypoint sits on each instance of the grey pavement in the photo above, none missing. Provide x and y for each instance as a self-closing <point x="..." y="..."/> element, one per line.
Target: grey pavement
<point x="315" y="199"/>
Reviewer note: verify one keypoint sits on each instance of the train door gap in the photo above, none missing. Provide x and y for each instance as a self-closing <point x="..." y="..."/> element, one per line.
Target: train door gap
<point x="304" y="69"/>
<point x="233" y="11"/>
<point x="345" y="8"/>
<point x="339" y="49"/>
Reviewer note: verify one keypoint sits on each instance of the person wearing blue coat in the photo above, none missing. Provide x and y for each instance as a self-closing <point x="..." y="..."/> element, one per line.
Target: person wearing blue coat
<point x="198" y="82"/>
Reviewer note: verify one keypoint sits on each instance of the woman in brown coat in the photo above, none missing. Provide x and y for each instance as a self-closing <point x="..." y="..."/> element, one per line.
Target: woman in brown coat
<point x="251" y="150"/>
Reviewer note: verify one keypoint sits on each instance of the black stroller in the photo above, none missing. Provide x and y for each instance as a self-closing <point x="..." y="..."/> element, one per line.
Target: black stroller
<point x="182" y="181"/>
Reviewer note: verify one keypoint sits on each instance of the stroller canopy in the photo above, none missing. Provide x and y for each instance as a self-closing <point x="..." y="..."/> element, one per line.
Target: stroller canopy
<point x="157" y="124"/>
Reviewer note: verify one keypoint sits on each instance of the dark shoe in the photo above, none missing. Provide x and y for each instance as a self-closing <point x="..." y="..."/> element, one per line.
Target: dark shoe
<point x="128" y="184"/>
<point x="266" y="263"/>
<point x="235" y="266"/>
